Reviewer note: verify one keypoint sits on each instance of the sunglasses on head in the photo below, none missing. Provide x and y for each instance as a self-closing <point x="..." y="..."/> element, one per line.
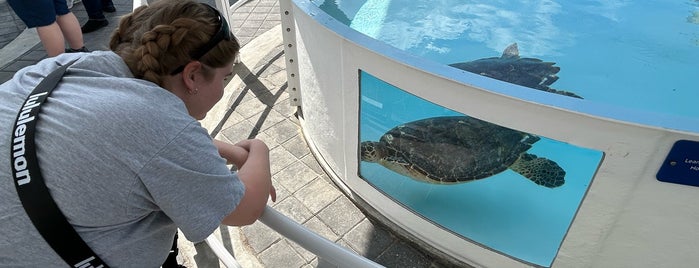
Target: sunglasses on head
<point x="223" y="33"/>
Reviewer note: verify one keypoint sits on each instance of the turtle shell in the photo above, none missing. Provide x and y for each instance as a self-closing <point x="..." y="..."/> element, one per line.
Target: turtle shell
<point x="510" y="67"/>
<point x="455" y="149"/>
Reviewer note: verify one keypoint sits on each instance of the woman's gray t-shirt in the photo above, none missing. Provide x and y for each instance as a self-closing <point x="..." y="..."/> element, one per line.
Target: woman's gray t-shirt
<point x="123" y="159"/>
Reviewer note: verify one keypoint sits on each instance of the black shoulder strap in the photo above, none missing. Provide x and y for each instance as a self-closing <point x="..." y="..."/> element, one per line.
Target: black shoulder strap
<point x="31" y="188"/>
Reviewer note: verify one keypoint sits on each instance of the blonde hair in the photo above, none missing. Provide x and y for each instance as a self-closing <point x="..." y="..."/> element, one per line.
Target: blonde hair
<point x="154" y="40"/>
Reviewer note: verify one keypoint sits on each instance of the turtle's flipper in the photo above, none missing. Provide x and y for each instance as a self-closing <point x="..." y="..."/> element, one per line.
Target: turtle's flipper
<point x="540" y="170"/>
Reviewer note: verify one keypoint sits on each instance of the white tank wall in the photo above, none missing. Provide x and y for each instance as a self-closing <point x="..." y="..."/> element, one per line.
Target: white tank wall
<point x="627" y="218"/>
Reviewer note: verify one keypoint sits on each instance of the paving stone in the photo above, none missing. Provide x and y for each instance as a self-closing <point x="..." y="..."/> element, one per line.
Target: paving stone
<point x="251" y="107"/>
<point x="264" y="3"/>
<point x="297" y="146"/>
<point x="266" y="119"/>
<point x="317" y="195"/>
<point x="259" y="237"/>
<point x="368" y="240"/>
<point x="283" y="131"/>
<point x="281" y="255"/>
<point x="315" y="225"/>
<point x="239" y="131"/>
<point x="278" y="78"/>
<point x="6" y="76"/>
<point x="282" y="192"/>
<point x="35" y="55"/>
<point x="257" y="18"/>
<point x="295" y="176"/>
<point x="269" y="140"/>
<point x="294" y="209"/>
<point x="279" y="158"/>
<point x="312" y="163"/>
<point x="263" y="9"/>
<point x="246" y="30"/>
<point x="233" y="119"/>
<point x="341" y="215"/>
<point x="401" y="255"/>
<point x="236" y="22"/>
<point x="244" y="10"/>
<point x="243" y="39"/>
<point x="18" y="65"/>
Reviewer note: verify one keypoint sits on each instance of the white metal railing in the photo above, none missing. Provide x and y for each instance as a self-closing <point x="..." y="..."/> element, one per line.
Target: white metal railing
<point x="329" y="253"/>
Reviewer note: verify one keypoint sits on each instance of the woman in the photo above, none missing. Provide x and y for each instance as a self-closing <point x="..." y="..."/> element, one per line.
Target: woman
<point x="120" y="148"/>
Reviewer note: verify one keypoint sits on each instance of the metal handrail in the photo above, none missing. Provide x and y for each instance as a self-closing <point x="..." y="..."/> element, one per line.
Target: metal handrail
<point x="220" y="251"/>
<point x="326" y="250"/>
<point x="318" y="245"/>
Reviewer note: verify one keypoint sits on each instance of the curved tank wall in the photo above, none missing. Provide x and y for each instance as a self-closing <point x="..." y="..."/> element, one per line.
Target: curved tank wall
<point x="620" y="216"/>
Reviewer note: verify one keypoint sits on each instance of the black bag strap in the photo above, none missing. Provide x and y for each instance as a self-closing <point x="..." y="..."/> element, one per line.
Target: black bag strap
<point x="31" y="188"/>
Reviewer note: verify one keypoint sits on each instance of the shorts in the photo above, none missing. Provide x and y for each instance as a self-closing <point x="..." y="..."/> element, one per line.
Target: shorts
<point x="40" y="12"/>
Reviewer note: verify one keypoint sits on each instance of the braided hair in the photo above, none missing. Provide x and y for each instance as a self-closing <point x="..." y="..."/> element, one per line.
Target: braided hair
<point x="154" y="40"/>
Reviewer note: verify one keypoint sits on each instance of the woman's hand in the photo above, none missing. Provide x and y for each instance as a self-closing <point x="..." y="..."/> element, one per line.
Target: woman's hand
<point x="252" y="159"/>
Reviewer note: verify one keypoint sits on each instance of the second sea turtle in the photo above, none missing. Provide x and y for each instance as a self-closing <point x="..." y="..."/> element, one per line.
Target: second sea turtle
<point x="510" y="67"/>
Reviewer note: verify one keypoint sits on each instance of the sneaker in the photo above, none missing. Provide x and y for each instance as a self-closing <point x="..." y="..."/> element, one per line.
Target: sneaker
<point x="82" y="49"/>
<point x="94" y="25"/>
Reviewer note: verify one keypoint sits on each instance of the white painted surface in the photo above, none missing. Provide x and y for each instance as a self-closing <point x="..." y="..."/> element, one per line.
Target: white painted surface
<point x="627" y="219"/>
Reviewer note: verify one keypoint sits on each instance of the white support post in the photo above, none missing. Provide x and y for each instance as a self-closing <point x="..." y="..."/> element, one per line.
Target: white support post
<point x="290" y="54"/>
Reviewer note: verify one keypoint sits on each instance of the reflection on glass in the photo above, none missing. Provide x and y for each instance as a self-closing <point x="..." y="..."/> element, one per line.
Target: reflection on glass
<point x="528" y="72"/>
<point x="611" y="52"/>
<point x="507" y="190"/>
<point x="694" y="17"/>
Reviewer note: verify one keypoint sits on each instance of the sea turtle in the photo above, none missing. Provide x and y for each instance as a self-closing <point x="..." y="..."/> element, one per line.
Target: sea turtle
<point x="458" y="149"/>
<point x="528" y="72"/>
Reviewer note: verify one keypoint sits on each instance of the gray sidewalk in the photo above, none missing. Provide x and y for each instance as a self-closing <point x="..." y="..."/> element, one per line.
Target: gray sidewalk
<point x="256" y="105"/>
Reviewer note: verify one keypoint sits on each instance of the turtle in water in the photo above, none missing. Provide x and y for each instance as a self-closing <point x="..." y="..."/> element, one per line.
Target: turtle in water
<point x="528" y="72"/>
<point x="458" y="149"/>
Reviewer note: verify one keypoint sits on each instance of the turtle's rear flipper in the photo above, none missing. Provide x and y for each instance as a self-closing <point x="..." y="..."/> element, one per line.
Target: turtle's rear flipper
<point x="540" y="170"/>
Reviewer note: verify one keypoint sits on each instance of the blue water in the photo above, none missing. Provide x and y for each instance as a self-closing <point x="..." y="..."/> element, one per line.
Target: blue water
<point x="641" y="55"/>
<point x="505" y="212"/>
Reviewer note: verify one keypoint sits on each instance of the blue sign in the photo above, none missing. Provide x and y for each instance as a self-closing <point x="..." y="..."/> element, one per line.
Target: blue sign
<point x="682" y="164"/>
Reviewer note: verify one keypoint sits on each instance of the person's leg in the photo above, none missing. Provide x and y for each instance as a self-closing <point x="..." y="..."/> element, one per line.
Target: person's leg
<point x="108" y="6"/>
<point x="70" y="27"/>
<point x="52" y="39"/>
<point x="96" y="20"/>
<point x="94" y="9"/>
<point x="42" y="16"/>
<point x="71" y="30"/>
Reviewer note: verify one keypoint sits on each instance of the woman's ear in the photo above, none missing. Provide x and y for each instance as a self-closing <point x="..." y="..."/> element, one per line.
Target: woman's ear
<point x="191" y="73"/>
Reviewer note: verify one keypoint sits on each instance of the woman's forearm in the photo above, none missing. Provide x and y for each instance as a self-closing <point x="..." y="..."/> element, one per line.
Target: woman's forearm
<point x="255" y="173"/>
<point x="233" y="154"/>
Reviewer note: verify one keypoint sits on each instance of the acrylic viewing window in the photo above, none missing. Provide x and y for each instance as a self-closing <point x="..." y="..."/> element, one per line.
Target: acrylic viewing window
<point x="510" y="191"/>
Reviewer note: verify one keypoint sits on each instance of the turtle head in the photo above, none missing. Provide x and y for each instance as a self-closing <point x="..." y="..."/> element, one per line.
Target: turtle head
<point x="540" y="170"/>
<point x="370" y="151"/>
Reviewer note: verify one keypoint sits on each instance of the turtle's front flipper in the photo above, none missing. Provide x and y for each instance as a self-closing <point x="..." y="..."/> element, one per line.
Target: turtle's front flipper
<point x="540" y="170"/>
